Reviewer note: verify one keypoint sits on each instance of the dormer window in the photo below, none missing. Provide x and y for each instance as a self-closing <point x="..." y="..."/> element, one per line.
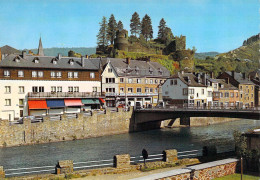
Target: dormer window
<point x="160" y="71"/>
<point x="17" y="59"/>
<point x="36" y="60"/>
<point x="222" y="86"/>
<point x="150" y="71"/>
<point x="54" y="61"/>
<point x="136" y="69"/>
<point x="71" y="61"/>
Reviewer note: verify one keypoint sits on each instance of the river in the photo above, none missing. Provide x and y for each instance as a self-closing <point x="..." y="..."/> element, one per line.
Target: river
<point x="155" y="141"/>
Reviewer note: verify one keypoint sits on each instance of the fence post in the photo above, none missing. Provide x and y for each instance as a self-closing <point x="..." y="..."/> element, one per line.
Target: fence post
<point x="2" y="172"/>
<point x="64" y="167"/>
<point x="122" y="161"/>
<point x="170" y="155"/>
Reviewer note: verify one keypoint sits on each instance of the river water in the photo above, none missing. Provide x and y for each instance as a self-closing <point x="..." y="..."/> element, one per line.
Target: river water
<point x="155" y="141"/>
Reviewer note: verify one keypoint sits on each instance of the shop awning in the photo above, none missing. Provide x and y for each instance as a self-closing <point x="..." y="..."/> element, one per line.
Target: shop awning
<point x="87" y="101"/>
<point x="73" y="102"/>
<point x="55" y="103"/>
<point x="96" y="101"/>
<point x="102" y="100"/>
<point x="39" y="104"/>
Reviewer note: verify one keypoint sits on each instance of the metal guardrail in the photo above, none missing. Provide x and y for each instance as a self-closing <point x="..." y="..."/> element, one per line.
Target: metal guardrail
<point x="29" y="170"/>
<point x="64" y="94"/>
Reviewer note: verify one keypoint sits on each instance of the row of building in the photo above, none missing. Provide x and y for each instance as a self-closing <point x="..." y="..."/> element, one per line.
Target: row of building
<point x="38" y="85"/>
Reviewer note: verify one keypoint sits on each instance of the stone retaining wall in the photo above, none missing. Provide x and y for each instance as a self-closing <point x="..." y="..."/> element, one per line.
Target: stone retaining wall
<point x="64" y="129"/>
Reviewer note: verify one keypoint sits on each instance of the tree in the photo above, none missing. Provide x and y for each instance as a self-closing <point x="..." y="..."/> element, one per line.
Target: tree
<point x="111" y="30"/>
<point x="147" y="29"/>
<point x="161" y="31"/>
<point x="120" y="26"/>
<point x="102" y="34"/>
<point x="135" y="24"/>
<point x="168" y="36"/>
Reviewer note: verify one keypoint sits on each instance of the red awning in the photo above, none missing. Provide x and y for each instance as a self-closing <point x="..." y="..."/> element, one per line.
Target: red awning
<point x="102" y="100"/>
<point x="73" y="102"/>
<point x="39" y="104"/>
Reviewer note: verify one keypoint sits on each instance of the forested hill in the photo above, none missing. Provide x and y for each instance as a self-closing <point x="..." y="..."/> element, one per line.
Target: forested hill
<point x="64" y="51"/>
<point x="203" y="55"/>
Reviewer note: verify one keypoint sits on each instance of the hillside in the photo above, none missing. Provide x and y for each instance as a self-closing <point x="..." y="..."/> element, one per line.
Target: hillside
<point x="203" y="55"/>
<point x="64" y="51"/>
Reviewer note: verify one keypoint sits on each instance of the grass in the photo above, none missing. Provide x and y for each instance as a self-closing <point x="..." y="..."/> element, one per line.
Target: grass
<point x="238" y="177"/>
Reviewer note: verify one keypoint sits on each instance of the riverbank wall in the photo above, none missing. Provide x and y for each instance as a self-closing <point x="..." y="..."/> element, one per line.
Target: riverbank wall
<point x="65" y="128"/>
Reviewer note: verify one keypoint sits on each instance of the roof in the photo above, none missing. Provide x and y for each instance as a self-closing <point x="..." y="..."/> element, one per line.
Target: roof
<point x="185" y="77"/>
<point x="9" y="50"/>
<point x="225" y="86"/>
<point x="239" y="78"/>
<point x="138" y="68"/>
<point x="47" y="62"/>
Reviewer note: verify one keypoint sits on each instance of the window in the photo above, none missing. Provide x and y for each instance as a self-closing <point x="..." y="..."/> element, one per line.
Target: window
<point x="252" y="87"/>
<point x="240" y="87"/>
<point x="110" y="70"/>
<point x="155" y="90"/>
<point x="197" y="94"/>
<point x="41" y="89"/>
<point x="151" y="90"/>
<point x="156" y="81"/>
<point x="171" y="82"/>
<point x="59" y="74"/>
<point x="20" y="74"/>
<point x="226" y="94"/>
<point x="191" y="102"/>
<point x="76" y="74"/>
<point x="21" y="102"/>
<point x="221" y="94"/>
<point x="70" y="88"/>
<point x="121" y="80"/>
<point x="121" y="90"/>
<point x="138" y="81"/>
<point x="53" y="89"/>
<point x="130" y="80"/>
<point x="146" y="81"/>
<point x="40" y="74"/>
<point x="231" y="94"/>
<point x="175" y="82"/>
<point x="110" y="90"/>
<point x="7" y="89"/>
<point x="236" y="94"/>
<point x="59" y="89"/>
<point x="35" y="89"/>
<point x="191" y="91"/>
<point x="110" y="80"/>
<point x="185" y="91"/>
<point x="69" y="74"/>
<point x="94" y="89"/>
<point x="130" y="90"/>
<point x="147" y="90"/>
<point x="252" y="95"/>
<point x="34" y="74"/>
<point x="36" y="61"/>
<point x="53" y="74"/>
<point x="151" y="81"/>
<point x="139" y="90"/>
<point x="21" y="89"/>
<point x="76" y="89"/>
<point x="8" y="102"/>
<point x="92" y="75"/>
<point x="209" y="93"/>
<point x="6" y="73"/>
<point x="202" y="91"/>
<point x="215" y="86"/>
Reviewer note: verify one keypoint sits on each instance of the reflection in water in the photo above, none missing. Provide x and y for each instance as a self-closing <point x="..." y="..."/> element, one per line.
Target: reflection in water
<point x="106" y="147"/>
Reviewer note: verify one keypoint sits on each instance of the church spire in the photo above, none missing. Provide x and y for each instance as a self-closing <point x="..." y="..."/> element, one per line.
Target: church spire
<point x="40" y="49"/>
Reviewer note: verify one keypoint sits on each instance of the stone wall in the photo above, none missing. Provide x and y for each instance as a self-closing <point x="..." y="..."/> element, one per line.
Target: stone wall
<point x="64" y="129"/>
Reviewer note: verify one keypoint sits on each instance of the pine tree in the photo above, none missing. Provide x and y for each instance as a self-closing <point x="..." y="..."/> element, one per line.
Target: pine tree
<point x="102" y="34"/>
<point x="161" y="31"/>
<point x="112" y="27"/>
<point x="168" y="36"/>
<point x="120" y="26"/>
<point x="135" y="24"/>
<point x="147" y="29"/>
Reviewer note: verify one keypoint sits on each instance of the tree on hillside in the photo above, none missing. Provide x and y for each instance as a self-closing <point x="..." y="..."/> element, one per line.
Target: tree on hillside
<point x="146" y="27"/>
<point x="135" y="24"/>
<point x="102" y="34"/>
<point x="161" y="30"/>
<point x="120" y="26"/>
<point x="111" y="30"/>
<point x="168" y="36"/>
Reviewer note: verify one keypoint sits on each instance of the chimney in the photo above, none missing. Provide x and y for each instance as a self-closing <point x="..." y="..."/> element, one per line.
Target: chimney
<point x="244" y="75"/>
<point x="227" y="80"/>
<point x="199" y="78"/>
<point x="24" y="54"/>
<point x="82" y="61"/>
<point x="128" y="59"/>
<point x="233" y="73"/>
<point x="59" y="56"/>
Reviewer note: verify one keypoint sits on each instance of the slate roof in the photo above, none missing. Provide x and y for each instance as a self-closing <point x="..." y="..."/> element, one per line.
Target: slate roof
<point x="239" y="78"/>
<point x="9" y="50"/>
<point x="224" y="86"/>
<point x="47" y="62"/>
<point x="138" y="68"/>
<point x="185" y="77"/>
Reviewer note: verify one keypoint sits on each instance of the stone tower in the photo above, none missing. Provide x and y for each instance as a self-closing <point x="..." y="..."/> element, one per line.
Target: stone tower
<point x="40" y="49"/>
<point x="121" y="41"/>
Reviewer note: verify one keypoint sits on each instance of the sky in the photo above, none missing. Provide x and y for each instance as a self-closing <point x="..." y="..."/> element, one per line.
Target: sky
<point x="209" y="25"/>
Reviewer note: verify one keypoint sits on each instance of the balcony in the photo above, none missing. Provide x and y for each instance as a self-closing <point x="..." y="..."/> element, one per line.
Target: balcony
<point x="65" y="95"/>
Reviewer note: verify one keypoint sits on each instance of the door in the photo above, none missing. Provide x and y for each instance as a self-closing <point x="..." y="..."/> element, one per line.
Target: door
<point x="21" y="113"/>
